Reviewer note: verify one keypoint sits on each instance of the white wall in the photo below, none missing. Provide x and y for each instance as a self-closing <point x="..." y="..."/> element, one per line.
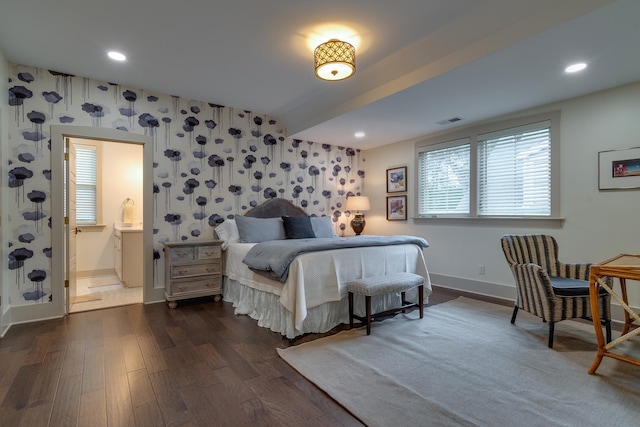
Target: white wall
<point x="597" y="226"/>
<point x="121" y="179"/>
<point x="4" y="143"/>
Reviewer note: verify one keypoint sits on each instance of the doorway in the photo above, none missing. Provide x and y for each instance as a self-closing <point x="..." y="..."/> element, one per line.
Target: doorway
<point x="62" y="273"/>
<point x="105" y="223"/>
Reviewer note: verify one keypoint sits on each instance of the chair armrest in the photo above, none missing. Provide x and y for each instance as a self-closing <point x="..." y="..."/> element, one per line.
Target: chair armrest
<point x="533" y="276"/>
<point x="574" y="271"/>
<point x="535" y="293"/>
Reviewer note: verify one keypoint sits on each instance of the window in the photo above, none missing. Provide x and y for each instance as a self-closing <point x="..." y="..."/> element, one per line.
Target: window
<point x="444" y="179"/>
<point x="514" y="171"/>
<point x="87" y="185"/>
<point x="498" y="170"/>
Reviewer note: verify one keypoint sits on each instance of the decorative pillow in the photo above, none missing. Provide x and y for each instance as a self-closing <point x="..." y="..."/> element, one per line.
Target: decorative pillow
<point x="322" y="226"/>
<point x="298" y="227"/>
<point x="227" y="232"/>
<point x="256" y="230"/>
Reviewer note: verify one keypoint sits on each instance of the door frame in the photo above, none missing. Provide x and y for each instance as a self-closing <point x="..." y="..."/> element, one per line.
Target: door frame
<point x="58" y="134"/>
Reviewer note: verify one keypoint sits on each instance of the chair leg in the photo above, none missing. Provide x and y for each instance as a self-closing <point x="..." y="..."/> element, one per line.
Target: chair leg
<point x="350" y="310"/>
<point x="551" y="325"/>
<point x="368" y="308"/>
<point x="607" y="327"/>
<point x="421" y="300"/>
<point x="513" y="316"/>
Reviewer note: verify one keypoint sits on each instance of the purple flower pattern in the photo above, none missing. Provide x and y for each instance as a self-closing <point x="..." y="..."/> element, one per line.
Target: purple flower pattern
<point x="194" y="138"/>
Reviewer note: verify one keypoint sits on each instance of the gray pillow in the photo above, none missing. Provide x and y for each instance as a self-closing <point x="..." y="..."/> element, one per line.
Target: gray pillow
<point x="322" y="226"/>
<point x="298" y="227"/>
<point x="256" y="230"/>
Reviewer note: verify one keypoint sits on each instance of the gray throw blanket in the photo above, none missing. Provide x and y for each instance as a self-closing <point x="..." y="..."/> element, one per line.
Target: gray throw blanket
<point x="272" y="259"/>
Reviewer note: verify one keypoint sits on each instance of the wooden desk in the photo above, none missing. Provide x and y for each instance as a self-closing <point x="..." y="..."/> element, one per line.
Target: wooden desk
<point x="623" y="267"/>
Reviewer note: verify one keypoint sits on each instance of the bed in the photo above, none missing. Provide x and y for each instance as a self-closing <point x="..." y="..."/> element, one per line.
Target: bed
<point x="312" y="298"/>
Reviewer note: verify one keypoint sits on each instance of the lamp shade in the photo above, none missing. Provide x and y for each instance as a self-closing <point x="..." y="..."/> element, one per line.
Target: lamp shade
<point x="335" y="60"/>
<point x="358" y="203"/>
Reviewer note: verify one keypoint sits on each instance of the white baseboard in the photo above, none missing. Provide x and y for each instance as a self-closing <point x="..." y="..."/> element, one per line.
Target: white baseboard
<point x="91" y="273"/>
<point x="488" y="289"/>
<point x="502" y="292"/>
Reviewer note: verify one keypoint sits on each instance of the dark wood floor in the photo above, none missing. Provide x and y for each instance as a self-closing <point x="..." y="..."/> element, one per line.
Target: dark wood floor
<point x="149" y="365"/>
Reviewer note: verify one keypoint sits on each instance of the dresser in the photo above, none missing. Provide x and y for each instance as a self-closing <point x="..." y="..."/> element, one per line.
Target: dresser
<point x="192" y="269"/>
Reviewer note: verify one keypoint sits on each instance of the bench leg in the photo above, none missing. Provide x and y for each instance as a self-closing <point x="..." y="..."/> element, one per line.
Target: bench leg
<point x="350" y="310"/>
<point x="368" y="308"/>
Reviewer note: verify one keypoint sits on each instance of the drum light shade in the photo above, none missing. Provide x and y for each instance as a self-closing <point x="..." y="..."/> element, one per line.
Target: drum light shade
<point x="335" y="60"/>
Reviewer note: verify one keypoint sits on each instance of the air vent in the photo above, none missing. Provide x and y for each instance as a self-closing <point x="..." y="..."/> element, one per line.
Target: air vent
<point x="449" y="121"/>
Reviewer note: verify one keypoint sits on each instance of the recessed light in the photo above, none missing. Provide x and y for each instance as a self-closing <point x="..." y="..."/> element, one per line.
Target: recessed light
<point x="117" y="56"/>
<point x="359" y="134"/>
<point x="574" y="68"/>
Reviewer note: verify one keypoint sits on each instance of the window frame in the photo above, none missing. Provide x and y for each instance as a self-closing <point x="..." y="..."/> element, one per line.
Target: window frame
<point x="471" y="133"/>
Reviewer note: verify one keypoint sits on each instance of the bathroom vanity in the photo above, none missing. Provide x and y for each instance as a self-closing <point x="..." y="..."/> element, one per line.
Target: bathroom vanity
<point x="128" y="246"/>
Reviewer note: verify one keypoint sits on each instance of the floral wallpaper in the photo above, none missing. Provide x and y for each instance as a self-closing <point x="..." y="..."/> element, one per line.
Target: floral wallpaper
<point x="210" y="163"/>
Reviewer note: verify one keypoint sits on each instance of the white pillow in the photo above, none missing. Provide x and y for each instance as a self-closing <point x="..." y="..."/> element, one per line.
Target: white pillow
<point x="322" y="226"/>
<point x="228" y="233"/>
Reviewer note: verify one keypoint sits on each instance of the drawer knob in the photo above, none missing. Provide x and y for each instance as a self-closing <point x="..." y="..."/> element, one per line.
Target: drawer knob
<point x="183" y="271"/>
<point x="182" y="287"/>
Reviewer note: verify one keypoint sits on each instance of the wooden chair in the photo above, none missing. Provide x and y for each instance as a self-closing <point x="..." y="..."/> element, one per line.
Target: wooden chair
<point x="548" y="288"/>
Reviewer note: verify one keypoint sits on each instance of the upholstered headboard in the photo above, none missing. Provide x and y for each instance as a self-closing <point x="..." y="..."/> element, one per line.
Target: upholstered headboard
<point x="275" y="208"/>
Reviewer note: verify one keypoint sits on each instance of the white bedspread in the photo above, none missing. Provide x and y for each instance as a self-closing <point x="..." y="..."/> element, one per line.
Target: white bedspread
<point x="321" y="277"/>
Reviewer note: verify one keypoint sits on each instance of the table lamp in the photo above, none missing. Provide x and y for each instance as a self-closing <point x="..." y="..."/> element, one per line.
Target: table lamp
<point x="357" y="204"/>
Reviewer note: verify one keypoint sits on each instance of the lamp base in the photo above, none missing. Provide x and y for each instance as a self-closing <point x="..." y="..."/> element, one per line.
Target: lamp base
<point x="358" y="223"/>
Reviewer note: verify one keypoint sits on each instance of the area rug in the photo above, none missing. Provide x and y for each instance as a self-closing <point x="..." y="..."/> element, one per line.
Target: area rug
<point x="464" y="364"/>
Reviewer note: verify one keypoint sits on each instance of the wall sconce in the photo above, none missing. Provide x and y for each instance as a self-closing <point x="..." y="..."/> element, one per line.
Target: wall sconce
<point x="335" y="60"/>
<point x="358" y="203"/>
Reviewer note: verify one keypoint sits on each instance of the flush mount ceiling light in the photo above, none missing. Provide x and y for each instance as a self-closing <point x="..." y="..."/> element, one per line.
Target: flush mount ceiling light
<point x="574" y="68"/>
<point x="335" y="60"/>
<point x="116" y="56"/>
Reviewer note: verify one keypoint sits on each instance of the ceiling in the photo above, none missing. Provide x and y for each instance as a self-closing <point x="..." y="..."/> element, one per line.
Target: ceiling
<point x="419" y="62"/>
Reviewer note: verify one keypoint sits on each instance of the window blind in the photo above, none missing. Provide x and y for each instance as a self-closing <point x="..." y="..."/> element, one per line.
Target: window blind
<point x="444" y="179"/>
<point x="514" y="171"/>
<point x="86" y="185"/>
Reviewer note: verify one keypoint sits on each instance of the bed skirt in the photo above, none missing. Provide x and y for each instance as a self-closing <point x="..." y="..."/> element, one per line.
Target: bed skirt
<point x="265" y="307"/>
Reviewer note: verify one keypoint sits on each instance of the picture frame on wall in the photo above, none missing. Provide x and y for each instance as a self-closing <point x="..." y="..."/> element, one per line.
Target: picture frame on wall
<point x="619" y="169"/>
<point x="397" y="180"/>
<point x="397" y="208"/>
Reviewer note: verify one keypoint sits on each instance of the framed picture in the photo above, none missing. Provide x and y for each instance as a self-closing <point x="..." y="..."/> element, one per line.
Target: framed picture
<point x="397" y="180"/>
<point x="396" y="208"/>
<point x="619" y="169"/>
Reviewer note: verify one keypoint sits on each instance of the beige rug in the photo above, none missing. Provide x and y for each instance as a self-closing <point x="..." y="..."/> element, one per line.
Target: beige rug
<point x="94" y="296"/>
<point x="464" y="364"/>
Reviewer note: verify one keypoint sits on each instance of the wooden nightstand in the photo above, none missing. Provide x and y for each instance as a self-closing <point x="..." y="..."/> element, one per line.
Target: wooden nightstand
<point x="192" y="269"/>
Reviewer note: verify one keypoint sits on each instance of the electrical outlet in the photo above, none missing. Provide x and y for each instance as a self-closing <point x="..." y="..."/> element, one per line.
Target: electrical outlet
<point x="481" y="269"/>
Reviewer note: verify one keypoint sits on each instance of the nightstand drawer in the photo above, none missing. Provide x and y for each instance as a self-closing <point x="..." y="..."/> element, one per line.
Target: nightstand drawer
<point x="181" y="254"/>
<point x="178" y="271"/>
<point x="208" y="252"/>
<point x="187" y="286"/>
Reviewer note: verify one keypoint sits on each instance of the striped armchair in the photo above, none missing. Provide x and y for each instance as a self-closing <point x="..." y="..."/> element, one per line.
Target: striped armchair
<point x="548" y="288"/>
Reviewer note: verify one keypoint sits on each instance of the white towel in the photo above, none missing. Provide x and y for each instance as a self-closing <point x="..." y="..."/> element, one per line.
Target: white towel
<point x="128" y="214"/>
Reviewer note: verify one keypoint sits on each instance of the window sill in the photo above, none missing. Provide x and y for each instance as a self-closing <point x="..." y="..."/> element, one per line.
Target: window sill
<point x="546" y="222"/>
<point x="92" y="228"/>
